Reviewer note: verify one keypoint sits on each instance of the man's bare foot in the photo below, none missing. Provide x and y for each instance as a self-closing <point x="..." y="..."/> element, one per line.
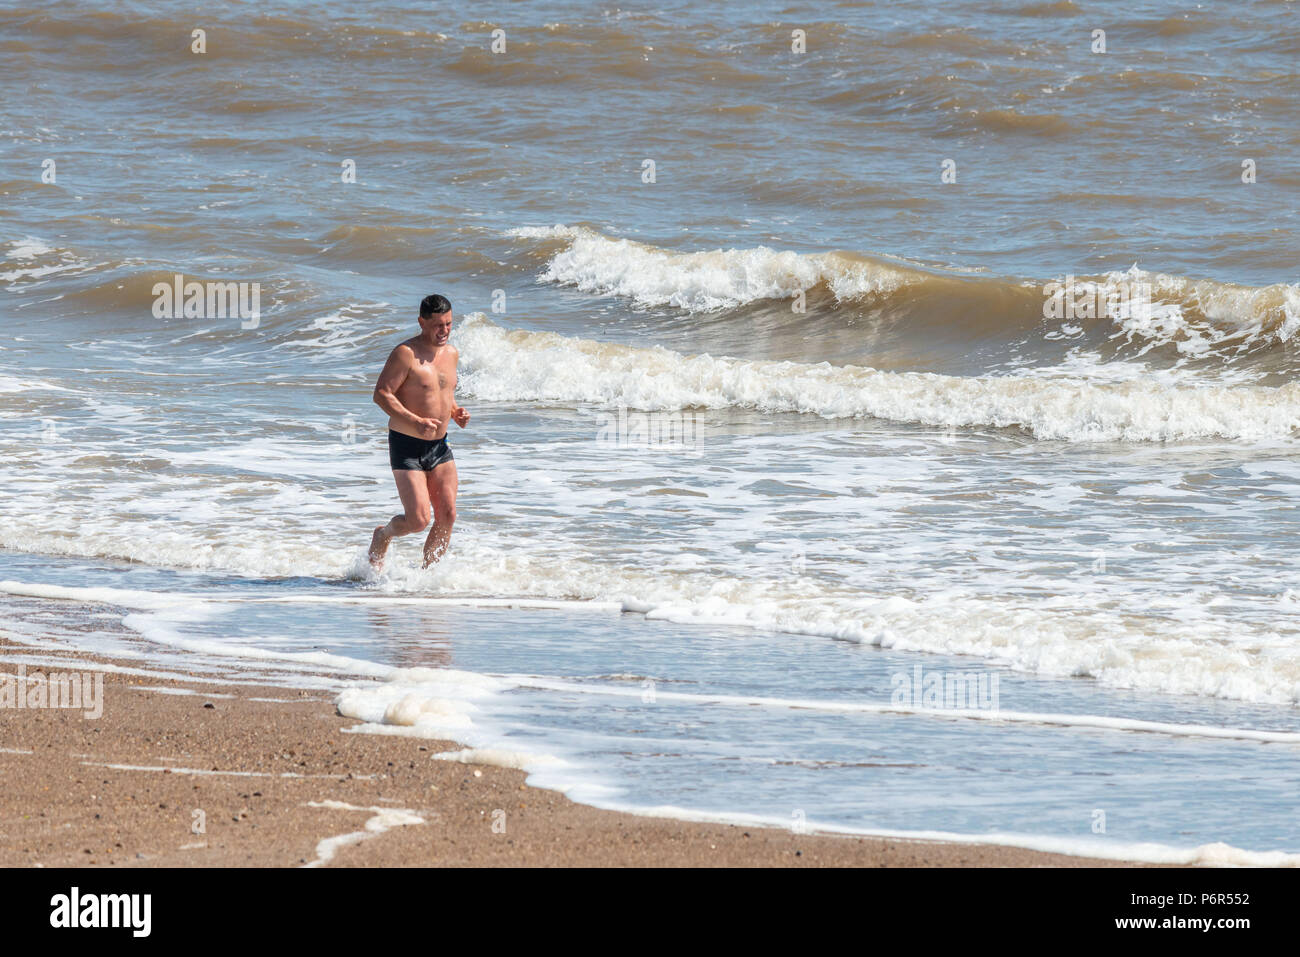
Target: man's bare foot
<point x="378" y="548"/>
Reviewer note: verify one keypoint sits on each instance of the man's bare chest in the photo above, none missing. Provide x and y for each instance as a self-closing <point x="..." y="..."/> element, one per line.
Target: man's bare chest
<point x="431" y="377"/>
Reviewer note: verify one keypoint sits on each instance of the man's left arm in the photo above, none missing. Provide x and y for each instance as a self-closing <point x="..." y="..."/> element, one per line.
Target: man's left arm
<point x="458" y="415"/>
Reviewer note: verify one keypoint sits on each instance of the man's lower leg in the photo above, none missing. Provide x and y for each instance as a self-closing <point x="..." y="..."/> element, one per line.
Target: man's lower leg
<point x="435" y="546"/>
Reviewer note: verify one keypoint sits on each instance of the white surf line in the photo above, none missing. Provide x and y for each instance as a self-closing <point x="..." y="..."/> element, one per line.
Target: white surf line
<point x="211" y="773"/>
<point x="15" y="751"/>
<point x="1102" y="722"/>
<point x="80" y="664"/>
<point x="103" y="596"/>
<point x="1215" y="854"/>
<point x="157" y="689"/>
<point x="152" y="600"/>
<point x="1066" y="720"/>
<point x="385" y="819"/>
<point x="556" y="604"/>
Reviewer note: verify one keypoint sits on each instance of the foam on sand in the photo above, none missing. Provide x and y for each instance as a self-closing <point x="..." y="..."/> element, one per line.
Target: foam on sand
<point x="384" y="819"/>
<point x="499" y="758"/>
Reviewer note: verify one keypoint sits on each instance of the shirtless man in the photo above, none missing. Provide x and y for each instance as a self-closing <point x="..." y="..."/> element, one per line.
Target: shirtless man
<point x="417" y="389"/>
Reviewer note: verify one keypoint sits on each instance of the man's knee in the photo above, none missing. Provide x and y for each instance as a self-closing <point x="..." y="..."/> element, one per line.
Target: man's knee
<point x="446" y="514"/>
<point x="418" y="517"/>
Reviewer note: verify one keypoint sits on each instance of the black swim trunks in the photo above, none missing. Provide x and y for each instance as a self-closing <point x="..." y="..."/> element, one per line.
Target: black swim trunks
<point x="408" y="452"/>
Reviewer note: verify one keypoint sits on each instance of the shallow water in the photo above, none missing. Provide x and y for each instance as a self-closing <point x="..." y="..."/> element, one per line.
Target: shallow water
<point x="926" y="464"/>
<point x="625" y="711"/>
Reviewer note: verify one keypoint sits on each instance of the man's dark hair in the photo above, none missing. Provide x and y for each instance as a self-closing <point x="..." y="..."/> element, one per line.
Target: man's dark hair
<point x="434" y="306"/>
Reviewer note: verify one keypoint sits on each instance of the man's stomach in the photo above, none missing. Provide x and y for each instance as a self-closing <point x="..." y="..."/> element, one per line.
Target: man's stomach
<point x="407" y="428"/>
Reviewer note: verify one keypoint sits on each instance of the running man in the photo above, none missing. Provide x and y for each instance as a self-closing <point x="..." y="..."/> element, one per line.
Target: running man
<point x="417" y="390"/>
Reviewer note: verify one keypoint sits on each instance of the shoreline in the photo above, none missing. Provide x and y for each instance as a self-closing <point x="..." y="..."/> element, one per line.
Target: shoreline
<point x="194" y="774"/>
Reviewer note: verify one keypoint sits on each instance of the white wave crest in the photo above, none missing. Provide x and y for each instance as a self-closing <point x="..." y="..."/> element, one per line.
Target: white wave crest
<point x="703" y="281"/>
<point x="506" y="365"/>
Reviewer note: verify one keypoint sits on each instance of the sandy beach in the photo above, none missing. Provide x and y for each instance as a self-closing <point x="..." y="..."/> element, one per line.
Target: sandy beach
<point x="198" y="774"/>
<point x="878" y="418"/>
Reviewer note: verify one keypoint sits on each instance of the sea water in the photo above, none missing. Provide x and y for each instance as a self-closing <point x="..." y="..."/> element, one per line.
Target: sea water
<point x="758" y="429"/>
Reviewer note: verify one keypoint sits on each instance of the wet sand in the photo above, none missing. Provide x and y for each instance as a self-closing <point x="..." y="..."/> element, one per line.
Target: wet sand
<point x="179" y="773"/>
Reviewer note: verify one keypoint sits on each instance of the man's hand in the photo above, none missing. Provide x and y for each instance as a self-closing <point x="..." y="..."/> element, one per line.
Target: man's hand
<point x="428" y="427"/>
<point x="460" y="416"/>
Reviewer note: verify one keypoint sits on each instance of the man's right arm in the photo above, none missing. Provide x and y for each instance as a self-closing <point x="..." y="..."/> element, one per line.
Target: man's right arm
<point x="396" y="369"/>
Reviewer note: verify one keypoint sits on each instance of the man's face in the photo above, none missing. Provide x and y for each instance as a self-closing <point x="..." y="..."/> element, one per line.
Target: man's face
<point x="438" y="326"/>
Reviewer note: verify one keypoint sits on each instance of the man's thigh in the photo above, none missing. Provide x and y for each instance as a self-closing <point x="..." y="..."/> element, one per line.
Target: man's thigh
<point x="442" y="483"/>
<point x="412" y="489"/>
